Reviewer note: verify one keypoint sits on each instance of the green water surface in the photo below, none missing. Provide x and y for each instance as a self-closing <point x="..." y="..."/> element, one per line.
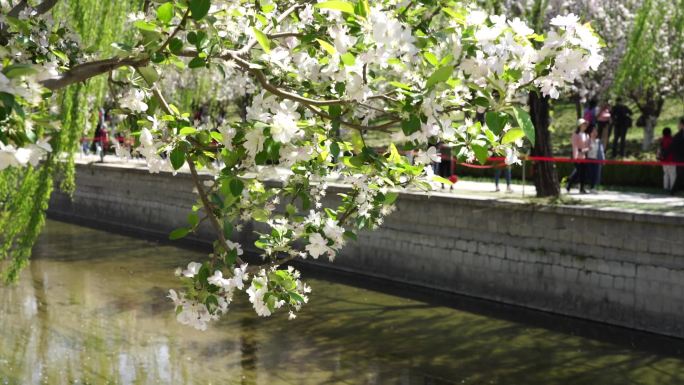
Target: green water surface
<point x="91" y="309"/>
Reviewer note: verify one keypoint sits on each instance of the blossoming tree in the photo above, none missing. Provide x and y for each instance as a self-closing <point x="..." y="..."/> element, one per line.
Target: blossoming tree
<point x="421" y="71"/>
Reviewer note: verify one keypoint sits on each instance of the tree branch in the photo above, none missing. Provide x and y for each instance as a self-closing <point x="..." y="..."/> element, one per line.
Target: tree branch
<point x="252" y="42"/>
<point x="208" y="209"/>
<point x="282" y="35"/>
<point x="14" y="12"/>
<point x="83" y="72"/>
<point x="40" y="9"/>
<point x="45" y="6"/>
<point x="175" y="31"/>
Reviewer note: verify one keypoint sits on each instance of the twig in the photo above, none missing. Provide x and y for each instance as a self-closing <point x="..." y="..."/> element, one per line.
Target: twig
<point x="282" y="35"/>
<point x="209" y="210"/>
<point x="252" y="42"/>
<point x="175" y="31"/>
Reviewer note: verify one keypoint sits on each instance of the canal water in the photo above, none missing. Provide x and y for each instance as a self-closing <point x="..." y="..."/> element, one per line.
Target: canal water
<point x="91" y="309"/>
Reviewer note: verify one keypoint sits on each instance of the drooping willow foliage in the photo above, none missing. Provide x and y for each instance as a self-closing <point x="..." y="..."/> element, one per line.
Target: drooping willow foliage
<point x="25" y="192"/>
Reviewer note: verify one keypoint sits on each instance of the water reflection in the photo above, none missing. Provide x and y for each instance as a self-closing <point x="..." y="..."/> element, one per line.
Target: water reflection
<point x="90" y="309"/>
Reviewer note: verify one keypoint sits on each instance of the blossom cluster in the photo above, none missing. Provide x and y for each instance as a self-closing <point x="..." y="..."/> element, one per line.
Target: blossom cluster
<point x="313" y="80"/>
<point x="36" y="50"/>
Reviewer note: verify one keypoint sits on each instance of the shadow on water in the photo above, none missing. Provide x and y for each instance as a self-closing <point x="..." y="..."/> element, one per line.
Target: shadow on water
<point x="91" y="310"/>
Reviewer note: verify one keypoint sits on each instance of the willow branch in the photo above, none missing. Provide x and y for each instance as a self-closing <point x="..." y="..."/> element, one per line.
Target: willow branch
<point x="83" y="72"/>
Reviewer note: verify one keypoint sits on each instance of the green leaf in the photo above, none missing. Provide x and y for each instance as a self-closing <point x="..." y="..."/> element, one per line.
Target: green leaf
<point x="145" y="26"/>
<point x="391" y="197"/>
<point x="165" y="12"/>
<point x="440" y="75"/>
<point x="495" y="121"/>
<point x="512" y="135"/>
<point x="327" y="46"/>
<point x="525" y="122"/>
<point x="187" y="131"/>
<point x="177" y="157"/>
<point x="199" y="8"/>
<point x="263" y="40"/>
<point x="197" y="62"/>
<point x="149" y="74"/>
<point x="481" y="153"/>
<point x="357" y="141"/>
<point x="394" y="156"/>
<point x="403" y="86"/>
<point x="343" y="6"/>
<point x="216" y="136"/>
<point x="335" y="149"/>
<point x="410" y="126"/>
<point x="431" y="58"/>
<point x="236" y="187"/>
<point x="193" y="219"/>
<point x="296" y="298"/>
<point x="17" y="70"/>
<point x="176" y="45"/>
<point x="348" y="59"/>
<point x="227" y="228"/>
<point x="178" y="233"/>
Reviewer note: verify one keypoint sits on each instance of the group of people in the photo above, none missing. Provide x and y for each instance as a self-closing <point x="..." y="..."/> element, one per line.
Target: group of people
<point x="586" y="146"/>
<point x="102" y="142"/>
<point x="606" y="119"/>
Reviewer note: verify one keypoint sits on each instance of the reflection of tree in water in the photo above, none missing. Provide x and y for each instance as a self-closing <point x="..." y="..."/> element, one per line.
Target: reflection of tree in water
<point x="248" y="350"/>
<point x="96" y="322"/>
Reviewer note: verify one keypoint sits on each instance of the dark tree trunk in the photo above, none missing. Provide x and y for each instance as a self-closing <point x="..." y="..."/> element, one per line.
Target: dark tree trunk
<point x="545" y="175"/>
<point x="578" y="105"/>
<point x="650" y="108"/>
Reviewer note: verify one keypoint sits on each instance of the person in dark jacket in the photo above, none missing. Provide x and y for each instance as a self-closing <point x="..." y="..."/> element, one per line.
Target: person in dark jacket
<point x="665" y="155"/>
<point x="622" y="121"/>
<point x="677" y="150"/>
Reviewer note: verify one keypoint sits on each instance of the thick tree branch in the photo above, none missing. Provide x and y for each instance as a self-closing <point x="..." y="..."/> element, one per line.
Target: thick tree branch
<point x="83" y="72"/>
<point x="14" y="12"/>
<point x="40" y="9"/>
<point x="45" y="6"/>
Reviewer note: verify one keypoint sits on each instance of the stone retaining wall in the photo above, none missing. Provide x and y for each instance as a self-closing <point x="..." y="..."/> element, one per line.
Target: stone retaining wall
<point x="617" y="267"/>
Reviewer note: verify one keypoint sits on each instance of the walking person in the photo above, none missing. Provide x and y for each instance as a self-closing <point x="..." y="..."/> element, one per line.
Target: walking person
<point x="580" y="147"/>
<point x="507" y="175"/>
<point x="622" y="121"/>
<point x="678" y="155"/>
<point x="665" y="155"/>
<point x="596" y="152"/>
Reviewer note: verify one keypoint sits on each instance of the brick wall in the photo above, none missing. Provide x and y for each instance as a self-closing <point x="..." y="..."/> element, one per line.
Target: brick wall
<point x="616" y="267"/>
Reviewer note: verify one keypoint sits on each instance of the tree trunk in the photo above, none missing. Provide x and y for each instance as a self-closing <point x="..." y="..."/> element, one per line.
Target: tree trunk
<point x="650" y="109"/>
<point x="545" y="175"/>
<point x="650" y="123"/>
